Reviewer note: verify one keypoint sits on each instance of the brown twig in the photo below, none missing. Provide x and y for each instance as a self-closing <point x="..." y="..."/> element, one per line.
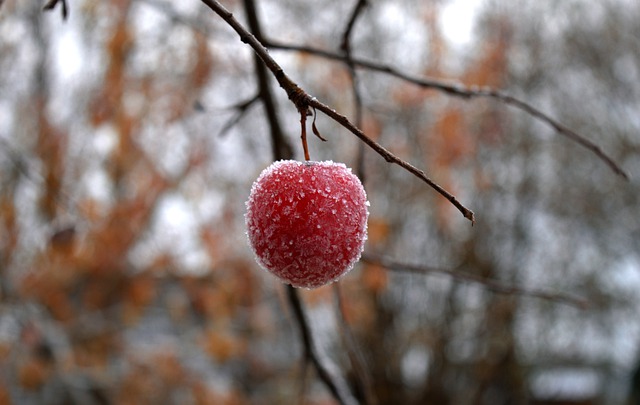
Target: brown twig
<point x="302" y="100"/>
<point x="345" y="46"/>
<point x="490" y="284"/>
<point x="459" y="90"/>
<point x="279" y="144"/>
<point x="51" y="4"/>
<point x="390" y="157"/>
<point x="363" y="383"/>
<point x="303" y="135"/>
<point x="309" y="350"/>
<point x="241" y="109"/>
<point x="315" y="129"/>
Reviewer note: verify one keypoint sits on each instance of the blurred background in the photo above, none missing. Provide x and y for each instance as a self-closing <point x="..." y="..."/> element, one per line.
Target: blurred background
<point x="130" y="134"/>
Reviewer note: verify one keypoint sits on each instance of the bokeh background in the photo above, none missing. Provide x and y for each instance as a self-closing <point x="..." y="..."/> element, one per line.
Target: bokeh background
<point x="130" y="134"/>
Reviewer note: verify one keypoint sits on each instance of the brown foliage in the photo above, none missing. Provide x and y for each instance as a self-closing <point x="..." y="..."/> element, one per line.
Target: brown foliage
<point x="126" y="306"/>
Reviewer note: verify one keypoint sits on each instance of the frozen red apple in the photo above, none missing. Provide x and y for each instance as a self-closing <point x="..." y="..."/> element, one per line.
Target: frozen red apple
<point x="307" y="221"/>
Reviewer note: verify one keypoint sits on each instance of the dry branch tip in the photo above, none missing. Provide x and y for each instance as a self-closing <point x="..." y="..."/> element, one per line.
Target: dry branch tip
<point x="51" y="4"/>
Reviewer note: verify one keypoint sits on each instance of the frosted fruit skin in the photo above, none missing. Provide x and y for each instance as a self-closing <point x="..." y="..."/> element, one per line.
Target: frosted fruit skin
<point x="307" y="221"/>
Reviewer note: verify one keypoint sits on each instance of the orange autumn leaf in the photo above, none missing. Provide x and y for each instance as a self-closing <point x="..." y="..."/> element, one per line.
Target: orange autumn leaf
<point x="491" y="68"/>
<point x="375" y="278"/>
<point x="33" y="373"/>
<point x="449" y="139"/>
<point x="203" y="62"/>
<point x="378" y="231"/>
<point x="318" y="296"/>
<point x="5" y="398"/>
<point x="222" y="345"/>
<point x="140" y="290"/>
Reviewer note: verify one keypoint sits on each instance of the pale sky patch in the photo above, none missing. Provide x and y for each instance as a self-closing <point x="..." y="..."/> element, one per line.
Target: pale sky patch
<point x="458" y="20"/>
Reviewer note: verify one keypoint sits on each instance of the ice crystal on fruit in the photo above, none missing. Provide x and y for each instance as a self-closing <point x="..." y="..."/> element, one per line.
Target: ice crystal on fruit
<point x="316" y="212"/>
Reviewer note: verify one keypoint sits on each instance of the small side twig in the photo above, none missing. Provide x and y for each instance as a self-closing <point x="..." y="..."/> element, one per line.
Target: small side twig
<point x="51" y="4"/>
<point x="490" y="284"/>
<point x="241" y="109"/>
<point x="314" y="128"/>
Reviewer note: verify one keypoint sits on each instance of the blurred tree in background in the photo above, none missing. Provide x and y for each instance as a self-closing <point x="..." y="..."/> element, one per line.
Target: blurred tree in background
<point x="130" y="134"/>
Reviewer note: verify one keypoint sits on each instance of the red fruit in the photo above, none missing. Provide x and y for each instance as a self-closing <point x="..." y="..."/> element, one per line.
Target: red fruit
<point x="307" y="222"/>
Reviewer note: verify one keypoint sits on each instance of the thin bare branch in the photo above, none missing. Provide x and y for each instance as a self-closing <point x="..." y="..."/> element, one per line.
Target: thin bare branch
<point x="345" y="46"/>
<point x="362" y="377"/>
<point x="241" y="109"/>
<point x="168" y="10"/>
<point x="459" y="90"/>
<point x="450" y="87"/>
<point x="309" y="350"/>
<point x="492" y="285"/>
<point x="303" y="101"/>
<point x="51" y="4"/>
<point x="314" y="128"/>
<point x="279" y="145"/>
<point x="390" y="157"/>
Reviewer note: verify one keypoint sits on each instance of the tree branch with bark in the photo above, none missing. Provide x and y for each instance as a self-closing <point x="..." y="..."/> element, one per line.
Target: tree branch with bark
<point x="304" y="101"/>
